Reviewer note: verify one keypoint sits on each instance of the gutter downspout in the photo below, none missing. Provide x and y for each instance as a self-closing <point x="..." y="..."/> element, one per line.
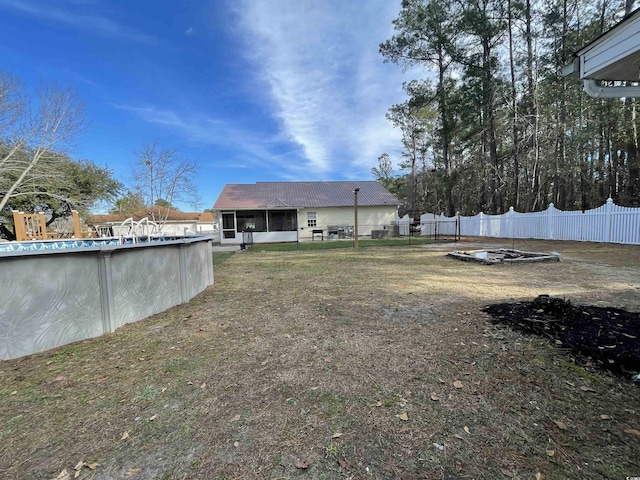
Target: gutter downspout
<point x="593" y="89"/>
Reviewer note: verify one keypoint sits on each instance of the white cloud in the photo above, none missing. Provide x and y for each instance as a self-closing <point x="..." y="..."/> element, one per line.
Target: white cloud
<point x="327" y="83"/>
<point x="190" y="31"/>
<point x="250" y="149"/>
<point x="90" y="23"/>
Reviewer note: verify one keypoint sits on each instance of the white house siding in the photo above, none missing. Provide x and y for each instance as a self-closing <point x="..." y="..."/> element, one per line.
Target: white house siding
<point x="192" y="228"/>
<point x="172" y="228"/>
<point x="369" y="218"/>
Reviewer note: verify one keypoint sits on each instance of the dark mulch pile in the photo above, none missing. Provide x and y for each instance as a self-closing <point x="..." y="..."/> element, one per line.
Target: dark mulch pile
<point x="605" y="337"/>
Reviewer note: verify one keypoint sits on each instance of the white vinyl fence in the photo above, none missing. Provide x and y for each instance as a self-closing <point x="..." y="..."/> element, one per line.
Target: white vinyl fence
<point x="608" y="223"/>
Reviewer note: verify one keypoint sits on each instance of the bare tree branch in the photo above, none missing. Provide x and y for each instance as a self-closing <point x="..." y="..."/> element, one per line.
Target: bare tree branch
<point x="32" y="135"/>
<point x="163" y="178"/>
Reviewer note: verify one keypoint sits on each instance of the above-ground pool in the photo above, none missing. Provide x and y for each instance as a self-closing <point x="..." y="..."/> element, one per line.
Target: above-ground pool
<point x="61" y="291"/>
<point x="37" y="245"/>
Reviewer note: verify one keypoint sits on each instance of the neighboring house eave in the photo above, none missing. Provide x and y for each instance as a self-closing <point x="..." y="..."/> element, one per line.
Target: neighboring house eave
<point x="612" y="57"/>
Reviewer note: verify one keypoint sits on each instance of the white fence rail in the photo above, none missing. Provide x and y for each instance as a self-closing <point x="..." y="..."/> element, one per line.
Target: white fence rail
<point x="608" y="223"/>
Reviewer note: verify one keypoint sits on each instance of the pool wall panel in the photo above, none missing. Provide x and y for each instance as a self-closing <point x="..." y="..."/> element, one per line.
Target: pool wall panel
<point x="52" y="298"/>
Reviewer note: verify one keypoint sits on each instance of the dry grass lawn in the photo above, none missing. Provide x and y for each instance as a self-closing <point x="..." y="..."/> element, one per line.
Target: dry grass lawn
<point x="336" y="364"/>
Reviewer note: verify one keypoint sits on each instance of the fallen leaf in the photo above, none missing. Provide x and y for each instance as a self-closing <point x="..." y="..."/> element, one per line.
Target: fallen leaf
<point x="403" y="416"/>
<point x="407" y="393"/>
<point x="441" y="380"/>
<point x="343" y="464"/>
<point x="435" y="397"/>
<point x="124" y="436"/>
<point x="79" y="465"/>
<point x="133" y="471"/>
<point x="632" y="431"/>
<point x="336" y="435"/>
<point x="605" y="417"/>
<point x="235" y="418"/>
<point x="587" y="389"/>
<point x="539" y="476"/>
<point x="302" y="464"/>
<point x="551" y="452"/>
<point x="153" y="417"/>
<point x="59" y="378"/>
<point x="203" y="386"/>
<point x="63" y="475"/>
<point x="92" y="466"/>
<point x="560" y="424"/>
<point x="507" y="473"/>
<point x="569" y="383"/>
<point x="457" y="384"/>
<point x="264" y="362"/>
<point x="466" y="429"/>
<point x="236" y="444"/>
<point x="14" y="392"/>
<point x="164" y="389"/>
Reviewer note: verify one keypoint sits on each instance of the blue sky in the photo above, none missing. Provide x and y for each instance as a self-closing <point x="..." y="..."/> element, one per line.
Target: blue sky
<point x="251" y="90"/>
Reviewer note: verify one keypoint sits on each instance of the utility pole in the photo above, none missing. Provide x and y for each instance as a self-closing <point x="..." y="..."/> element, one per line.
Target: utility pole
<point x="355" y="218"/>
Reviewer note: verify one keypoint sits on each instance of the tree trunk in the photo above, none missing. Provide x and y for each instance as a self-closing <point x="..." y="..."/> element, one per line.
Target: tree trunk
<point x="515" y="150"/>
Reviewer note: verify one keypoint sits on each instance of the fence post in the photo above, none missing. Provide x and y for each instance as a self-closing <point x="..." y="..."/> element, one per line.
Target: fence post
<point x="550" y="221"/>
<point x="18" y="225"/>
<point x="77" y="232"/>
<point x="609" y="219"/>
<point x="510" y="221"/>
<point x="481" y="226"/>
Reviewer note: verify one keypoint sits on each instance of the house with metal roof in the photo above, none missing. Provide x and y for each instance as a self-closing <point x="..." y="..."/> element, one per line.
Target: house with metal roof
<point x="272" y="212"/>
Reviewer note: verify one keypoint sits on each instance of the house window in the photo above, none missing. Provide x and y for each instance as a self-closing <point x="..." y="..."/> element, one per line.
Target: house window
<point x="227" y="221"/>
<point x="283" y="220"/>
<point x="311" y="219"/>
<point x="228" y="225"/>
<point x="251" y="220"/>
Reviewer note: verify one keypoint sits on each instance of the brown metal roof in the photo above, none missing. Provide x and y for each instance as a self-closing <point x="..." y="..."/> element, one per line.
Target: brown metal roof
<point x="303" y="195"/>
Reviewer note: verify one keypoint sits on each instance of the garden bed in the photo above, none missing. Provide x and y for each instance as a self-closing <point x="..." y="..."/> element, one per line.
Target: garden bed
<point x="597" y="336"/>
